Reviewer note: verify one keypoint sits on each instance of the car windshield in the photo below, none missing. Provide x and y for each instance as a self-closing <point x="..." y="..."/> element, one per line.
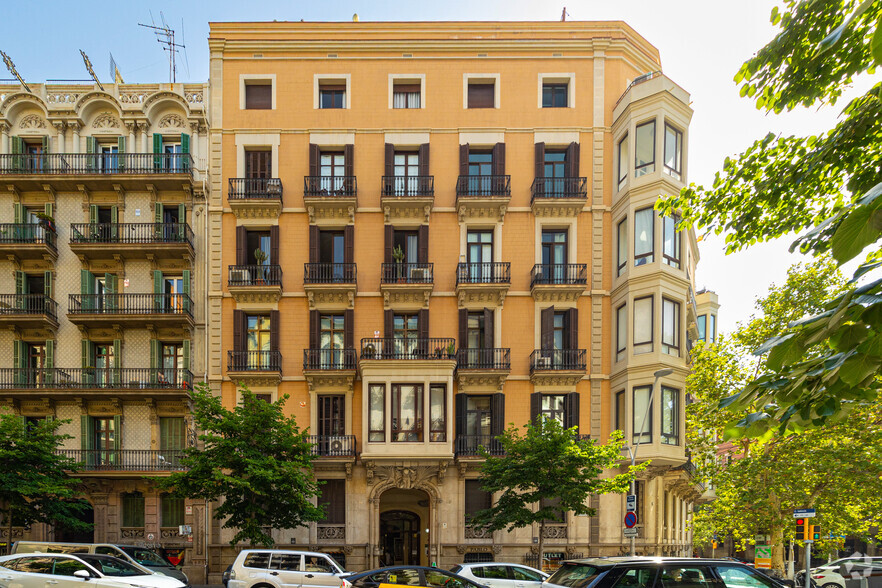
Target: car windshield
<point x="112" y="566"/>
<point x="573" y="574"/>
<point x="145" y="557"/>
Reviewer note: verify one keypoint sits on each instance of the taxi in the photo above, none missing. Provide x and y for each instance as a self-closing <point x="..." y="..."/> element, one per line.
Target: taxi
<point x="419" y="576"/>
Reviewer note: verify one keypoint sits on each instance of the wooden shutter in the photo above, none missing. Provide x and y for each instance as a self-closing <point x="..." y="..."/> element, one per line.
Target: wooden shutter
<point x="572" y="328"/>
<point x="274" y="245"/>
<point x="87" y="432"/>
<point x="463" y="328"/>
<point x="572" y="167"/>
<point x="158" y="213"/>
<point x="86" y="353"/>
<point x="117" y="353"/>
<point x="258" y="96"/>
<point x="157" y="143"/>
<point x="185" y="143"/>
<point x="497" y="414"/>
<point x="313" y="244"/>
<point x="86" y="281"/>
<point x="348" y="160"/>
<point x="546" y="328"/>
<point x="19" y="359"/>
<point x="239" y="330"/>
<point x="49" y="209"/>
<point x="424" y="159"/>
<point x="44" y="144"/>
<point x="349" y="329"/>
<point x="314" y="328"/>
<point x="93" y="214"/>
<point x="274" y="330"/>
<point x="155" y="354"/>
<point x="388" y="323"/>
<point x="182" y="214"/>
<point x="49" y="283"/>
<point x="314" y="157"/>
<point x="21" y="283"/>
<point x="185" y="352"/>
<point x="481" y="95"/>
<point x="241" y="245"/>
<point x="489" y="332"/>
<point x="423" y="247"/>
<point x="117" y="432"/>
<point x="349" y="244"/>
<point x="92" y="144"/>
<point x="540" y="160"/>
<point x="50" y="354"/>
<point x="110" y="283"/>
<point x="424" y="323"/>
<point x="387" y="244"/>
<point x="121" y="145"/>
<point x="535" y="406"/>
<point x="572" y="406"/>
<point x="390" y="160"/>
<point x="459" y="407"/>
<point x="464" y="160"/>
<point x="17" y="213"/>
<point x="185" y="289"/>
<point x="499" y="159"/>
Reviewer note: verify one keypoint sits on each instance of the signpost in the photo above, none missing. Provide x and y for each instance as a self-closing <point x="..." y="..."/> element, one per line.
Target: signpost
<point x="762" y="557"/>
<point x="803" y="513"/>
<point x="630" y="532"/>
<point x="631" y="503"/>
<point x="630" y="520"/>
<point x="800" y="514"/>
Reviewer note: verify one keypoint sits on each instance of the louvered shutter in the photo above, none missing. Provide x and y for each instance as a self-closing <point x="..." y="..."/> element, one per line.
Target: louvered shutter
<point x="86" y="432"/>
<point x="158" y="213"/>
<point x="459" y="421"/>
<point x="349" y="244"/>
<point x="423" y="247"/>
<point x="93" y="214"/>
<point x="314" y="156"/>
<point x="117" y="432"/>
<point x="535" y="406"/>
<point x="389" y="161"/>
<point x="185" y="284"/>
<point x="185" y="150"/>
<point x="49" y="284"/>
<point x="274" y="245"/>
<point x="424" y="160"/>
<point x="185" y="352"/>
<point x="239" y="330"/>
<point x="389" y="231"/>
<point x="349" y="329"/>
<point x="157" y="151"/>
<point x="572" y="328"/>
<point x="17" y="213"/>
<point x="463" y="328"/>
<point x="274" y="330"/>
<point x="540" y="161"/>
<point x="572" y="406"/>
<point x="424" y="323"/>
<point x="21" y="283"/>
<point x="489" y="328"/>
<point x="348" y="160"/>
<point x="314" y="329"/>
<point x="573" y="160"/>
<point x="313" y="244"/>
<point x="497" y="414"/>
<point x="546" y="327"/>
<point x="464" y="160"/>
<point x="241" y="245"/>
<point x="499" y="159"/>
<point x="388" y="323"/>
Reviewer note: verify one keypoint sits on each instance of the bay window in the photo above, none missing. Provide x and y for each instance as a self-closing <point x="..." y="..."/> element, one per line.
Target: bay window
<point x="377" y="413"/>
<point x="622" y="249"/>
<point x="642" y="415"/>
<point x="644" y="236"/>
<point x="407" y="412"/>
<point x="621" y="332"/>
<point x="670" y="417"/>
<point x="671" y="241"/>
<point x="644" y="149"/>
<point x="673" y="151"/>
<point x="670" y="327"/>
<point x="643" y="323"/>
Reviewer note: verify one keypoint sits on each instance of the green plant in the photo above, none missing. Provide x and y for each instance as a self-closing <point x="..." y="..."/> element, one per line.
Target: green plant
<point x="451" y="349"/>
<point x="398" y="254"/>
<point x="261" y="256"/>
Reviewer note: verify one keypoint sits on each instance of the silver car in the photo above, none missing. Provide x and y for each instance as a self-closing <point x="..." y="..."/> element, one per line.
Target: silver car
<point x="282" y="568"/>
<point x="52" y="570"/>
<point x="501" y="575"/>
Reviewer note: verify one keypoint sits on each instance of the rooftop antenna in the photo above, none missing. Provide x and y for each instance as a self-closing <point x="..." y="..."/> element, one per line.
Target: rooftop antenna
<point x="90" y="70"/>
<point x="165" y="35"/>
<point x="564" y="14"/>
<point x="11" y="67"/>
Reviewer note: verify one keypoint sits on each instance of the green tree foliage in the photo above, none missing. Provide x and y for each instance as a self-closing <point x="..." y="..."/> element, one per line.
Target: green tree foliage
<point x="825" y="184"/>
<point x="546" y="470"/>
<point x="35" y="485"/>
<point x="256" y="460"/>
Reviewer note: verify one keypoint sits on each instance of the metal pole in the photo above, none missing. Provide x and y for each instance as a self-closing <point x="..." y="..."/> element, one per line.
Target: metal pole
<point x="633" y="492"/>
<point x="808" y="564"/>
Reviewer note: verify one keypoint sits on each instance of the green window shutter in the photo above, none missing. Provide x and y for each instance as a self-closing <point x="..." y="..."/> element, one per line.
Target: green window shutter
<point x="117" y="432"/>
<point x="87" y="353"/>
<point x="186" y="354"/>
<point x="85" y="432"/>
<point x="17" y="150"/>
<point x="48" y="209"/>
<point x="185" y="149"/>
<point x="114" y="218"/>
<point x="158" y="212"/>
<point x="93" y="213"/>
<point x="19" y="361"/>
<point x="18" y="213"/>
<point x="45" y="144"/>
<point x="157" y="151"/>
<point x="16" y="354"/>
<point x="21" y="283"/>
<point x="185" y="284"/>
<point x="155" y="360"/>
<point x="158" y="298"/>
<point x="48" y="284"/>
<point x="121" y="148"/>
<point x="50" y="353"/>
<point x="182" y="221"/>
<point x="91" y="147"/>
<point x="117" y="355"/>
<point x="108" y="284"/>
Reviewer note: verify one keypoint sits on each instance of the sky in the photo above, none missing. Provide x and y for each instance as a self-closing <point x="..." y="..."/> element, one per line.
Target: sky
<point x="702" y="44"/>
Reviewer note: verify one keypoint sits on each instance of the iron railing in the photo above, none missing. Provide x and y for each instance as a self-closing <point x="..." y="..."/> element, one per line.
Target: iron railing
<point x="559" y="274"/>
<point x="94" y="378"/>
<point x="330" y="186"/>
<point x="255" y="275"/>
<point x="255" y="188"/>
<point x="409" y="186"/>
<point x="28" y="304"/>
<point x="557" y="359"/>
<point x="498" y="358"/>
<point x="468" y="445"/>
<point x="126" y="460"/>
<point x="62" y="164"/>
<point x="483" y="186"/>
<point x="329" y="359"/>
<point x="254" y="361"/>
<point x="401" y="348"/>
<point x="407" y="273"/>
<point x="559" y="188"/>
<point x="35" y="233"/>
<point x="131" y="304"/>
<point x="329" y="273"/>
<point x="485" y="272"/>
<point x="332" y="445"/>
<point x="137" y="233"/>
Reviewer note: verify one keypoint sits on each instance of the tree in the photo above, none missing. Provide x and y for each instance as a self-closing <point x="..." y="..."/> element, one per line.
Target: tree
<point x="35" y="485"/>
<point x="826" y="185"/>
<point x="254" y="458"/>
<point x="545" y="471"/>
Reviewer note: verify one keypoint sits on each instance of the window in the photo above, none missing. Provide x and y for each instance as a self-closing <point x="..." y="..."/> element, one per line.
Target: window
<point x="259" y="560"/>
<point x="701" y="325"/>
<point x="559" y="337"/>
<point x="258" y="335"/>
<point x="554" y="256"/>
<point x="405" y="332"/>
<point x="555" y="170"/>
<point x="475" y="330"/>
<point x="332" y="95"/>
<point x="105" y="439"/>
<point x="333" y="498"/>
<point x="331" y="331"/>
<point x="288" y="562"/>
<point x="406" y="95"/>
<point x="409" y="243"/>
<point x="67" y="567"/>
<point x="258" y="241"/>
<point x="554" y="95"/>
<point x="478" y="416"/>
<point x="258" y="95"/>
<point x="559" y="516"/>
<point x="644" y="236"/>
<point x="524" y="574"/>
<point x="479" y="253"/>
<point x="132" y="506"/>
<point x="673" y="151"/>
<point x="621" y="331"/>
<point x="670" y="327"/>
<point x="644" y="149"/>
<point x="476" y="499"/>
<point x="620" y="410"/>
<point x="258" y="163"/>
<point x="407" y="412"/>
<point x="172" y="433"/>
<point x="480" y="163"/>
<point x="481" y="95"/>
<point x="268" y="398"/>
<point x="636" y="577"/>
<point x="622" y="249"/>
<point x="671" y="241"/>
<point x="437" y="412"/>
<point x="171" y="510"/>
<point x="670" y="417"/>
<point x="643" y="325"/>
<point x="623" y="161"/>
<point x="741" y="577"/>
<point x="684" y="577"/>
<point x="377" y="413"/>
<point x="642" y="415"/>
<point x="553" y="406"/>
<point x="331" y="415"/>
<point x="332" y="170"/>
<point x="712" y="328"/>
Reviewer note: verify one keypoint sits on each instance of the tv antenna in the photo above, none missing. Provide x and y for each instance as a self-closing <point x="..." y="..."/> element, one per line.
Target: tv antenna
<point x="90" y="70"/>
<point x="165" y="35"/>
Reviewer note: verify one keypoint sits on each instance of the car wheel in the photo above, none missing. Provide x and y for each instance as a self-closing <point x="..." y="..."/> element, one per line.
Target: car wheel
<point x="831" y="585"/>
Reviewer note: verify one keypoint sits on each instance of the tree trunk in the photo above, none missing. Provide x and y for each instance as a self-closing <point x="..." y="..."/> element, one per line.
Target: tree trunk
<point x="541" y="545"/>
<point x="776" y="532"/>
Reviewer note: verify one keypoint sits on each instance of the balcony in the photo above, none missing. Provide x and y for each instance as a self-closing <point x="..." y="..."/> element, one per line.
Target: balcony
<point x="469" y="445"/>
<point x="255" y="283"/>
<point x="97" y="171"/>
<point x="558" y="197"/>
<point x="483" y="197"/>
<point x="483" y="284"/>
<point x="432" y="348"/>
<point x="132" y="240"/>
<point x="255" y="368"/>
<point x="557" y="367"/>
<point x="255" y="197"/>
<point x="329" y="369"/>
<point x="131" y="310"/>
<point x="407" y="198"/>
<point x="330" y="197"/>
<point x="28" y="311"/>
<point x="333" y="445"/>
<point x="560" y="282"/>
<point x="482" y="370"/>
<point x="330" y="286"/>
<point x="20" y="241"/>
<point x="125" y="460"/>
<point x="90" y="381"/>
<point x="406" y="286"/>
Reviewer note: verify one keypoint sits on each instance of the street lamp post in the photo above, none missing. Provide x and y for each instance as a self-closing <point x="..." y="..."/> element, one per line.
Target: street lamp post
<point x="633" y="452"/>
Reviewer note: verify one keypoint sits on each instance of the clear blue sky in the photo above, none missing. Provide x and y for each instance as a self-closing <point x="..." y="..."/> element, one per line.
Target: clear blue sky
<point x="702" y="44"/>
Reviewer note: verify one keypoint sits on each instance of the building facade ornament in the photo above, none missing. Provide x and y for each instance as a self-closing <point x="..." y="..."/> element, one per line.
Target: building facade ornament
<point x="106" y="120"/>
<point x="32" y="121"/>
<point x="171" y="121"/>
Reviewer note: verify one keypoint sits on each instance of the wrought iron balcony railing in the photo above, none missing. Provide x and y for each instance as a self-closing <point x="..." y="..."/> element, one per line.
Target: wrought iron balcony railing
<point x="483" y="186"/>
<point x="559" y="274"/>
<point x="558" y="359"/>
<point x="255" y="275"/>
<point x="28" y="304"/>
<point x="409" y="186"/>
<point x="498" y="358"/>
<point x="333" y="445"/>
<point x="559" y="188"/>
<point x="116" y="164"/>
<point x="95" y="378"/>
<point x="407" y="273"/>
<point x="27" y="233"/>
<point x="254" y="361"/>
<point x="330" y="186"/>
<point x="131" y="304"/>
<point x="468" y="445"/>
<point x="255" y="188"/>
<point x="485" y="272"/>
<point x="401" y="348"/>
<point x="126" y="460"/>
<point x="135" y="233"/>
<point x="329" y="359"/>
<point x="329" y="273"/>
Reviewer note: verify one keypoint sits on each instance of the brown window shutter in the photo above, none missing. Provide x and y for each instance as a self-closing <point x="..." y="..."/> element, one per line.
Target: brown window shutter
<point x="241" y="245"/>
<point x="488" y="328"/>
<point x="573" y="328"/>
<point x="424" y="323"/>
<point x="348" y="160"/>
<point x="274" y="330"/>
<point x="459" y="414"/>
<point x="481" y="95"/>
<point x="388" y="319"/>
<point x="546" y="326"/>
<point x="349" y="244"/>
<point x="239" y="330"/>
<point x="314" y="328"/>
<point x="349" y="328"/>
<point x="314" y="156"/>
<point x="423" y="248"/>
<point x="313" y="244"/>
<point x="387" y="249"/>
<point x="390" y="159"/>
<point x="463" y="328"/>
<point x="540" y="160"/>
<point x="497" y="414"/>
<point x="258" y="96"/>
<point x="333" y="87"/>
<point x="499" y="159"/>
<point x="535" y="405"/>
<point x="408" y="88"/>
<point x="424" y="159"/>
<point x="274" y="245"/>
<point x="572" y="406"/>
<point x="464" y="160"/>
<point x="573" y="160"/>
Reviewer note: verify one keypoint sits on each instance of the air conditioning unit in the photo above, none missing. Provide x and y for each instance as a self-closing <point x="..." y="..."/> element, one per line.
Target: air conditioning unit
<point x="692" y="331"/>
<point x="240" y="276"/>
<point x="543" y="362"/>
<point x="336" y="444"/>
<point x="418" y="274"/>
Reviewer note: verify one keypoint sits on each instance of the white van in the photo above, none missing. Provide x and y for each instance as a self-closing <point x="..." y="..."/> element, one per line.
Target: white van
<point x="282" y="568"/>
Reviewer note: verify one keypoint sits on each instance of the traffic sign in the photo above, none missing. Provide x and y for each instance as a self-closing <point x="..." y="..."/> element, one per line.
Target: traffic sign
<point x="802" y="513"/>
<point x="632" y="532"/>
<point x="762" y="557"/>
<point x="631" y="502"/>
<point x="630" y="519"/>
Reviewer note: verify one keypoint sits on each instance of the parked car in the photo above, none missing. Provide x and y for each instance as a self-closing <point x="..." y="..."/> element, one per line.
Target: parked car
<point x="281" y="568"/>
<point x="418" y="576"/>
<point x="830" y="574"/>
<point x="501" y="575"/>
<point x="225" y="577"/>
<point x="39" y="570"/>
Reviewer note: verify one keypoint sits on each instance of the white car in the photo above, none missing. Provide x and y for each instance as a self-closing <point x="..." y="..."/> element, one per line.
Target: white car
<point x="61" y="570"/>
<point x="501" y="575"/>
<point x="284" y="568"/>
<point x="829" y="576"/>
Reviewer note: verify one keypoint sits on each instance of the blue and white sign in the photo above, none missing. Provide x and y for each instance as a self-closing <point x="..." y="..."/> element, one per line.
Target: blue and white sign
<point x="803" y="513"/>
<point x="631" y="502"/>
<point x="630" y="520"/>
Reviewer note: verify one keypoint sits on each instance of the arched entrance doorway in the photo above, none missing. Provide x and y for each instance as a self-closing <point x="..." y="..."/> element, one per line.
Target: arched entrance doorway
<point x="404" y="521"/>
<point x="68" y="535"/>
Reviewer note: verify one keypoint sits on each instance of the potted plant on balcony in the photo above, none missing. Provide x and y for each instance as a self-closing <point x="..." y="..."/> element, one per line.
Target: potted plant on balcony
<point x="439" y="352"/>
<point x="369" y="350"/>
<point x="46" y="221"/>
<point x="261" y="257"/>
<point x="398" y="256"/>
<point x="451" y="351"/>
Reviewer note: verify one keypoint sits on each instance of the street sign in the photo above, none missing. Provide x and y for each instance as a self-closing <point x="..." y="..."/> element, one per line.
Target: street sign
<point x="632" y="532"/>
<point x="631" y="502"/>
<point x="762" y="557"/>
<point x="630" y="519"/>
<point x="802" y="513"/>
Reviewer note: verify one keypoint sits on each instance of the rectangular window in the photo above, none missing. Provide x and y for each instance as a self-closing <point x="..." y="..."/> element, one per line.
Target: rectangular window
<point x="258" y="341"/>
<point x="258" y="241"/>
<point x="482" y="95"/>
<point x="644" y="149"/>
<point x="377" y="413"/>
<point x="332" y="96"/>
<point x="331" y="415"/>
<point x="673" y="151"/>
<point x="623" y="161"/>
<point x="621" y="332"/>
<point x="671" y="241"/>
<point x="438" y="412"/>
<point x="712" y="328"/>
<point x="258" y="95"/>
<point x="644" y="236"/>
<point x="670" y="327"/>
<point x="554" y="95"/>
<point x="333" y="499"/>
<point x="171" y="511"/>
<point x="478" y="415"/>
<point x="642" y="421"/>
<point x="701" y="324"/>
<point x="622" y="249"/>
<point x="475" y="330"/>
<point x="331" y="332"/>
<point x="476" y="499"/>
<point x="407" y="412"/>
<point x="406" y="95"/>
<point x="643" y="325"/>
<point x="559" y="516"/>
<point x="268" y="398"/>
<point x="172" y="433"/>
<point x="258" y="163"/>
<point x="620" y="410"/>
<point x="670" y="417"/>
<point x="132" y="509"/>
<point x="553" y="406"/>
<point x="406" y="333"/>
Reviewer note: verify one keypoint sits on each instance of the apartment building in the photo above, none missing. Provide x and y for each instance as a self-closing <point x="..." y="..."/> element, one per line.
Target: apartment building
<point x="102" y="237"/>
<point x="424" y="232"/>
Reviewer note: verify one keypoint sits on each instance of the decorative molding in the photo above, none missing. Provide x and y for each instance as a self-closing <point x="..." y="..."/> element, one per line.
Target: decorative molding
<point x="32" y="121"/>
<point x="106" y="120"/>
<point x="406" y="477"/>
<point x="475" y="381"/>
<point x="554" y="532"/>
<point x="330" y="209"/>
<point x="415" y="209"/>
<point x="406" y="296"/>
<point x="262" y="294"/>
<point x="557" y="292"/>
<point x="558" y="207"/>
<point x="481" y="295"/>
<point x="330" y="296"/>
<point x="559" y="379"/>
<point x="325" y="380"/>
<point x="257" y="208"/>
<point x="171" y="121"/>
<point x="482" y="209"/>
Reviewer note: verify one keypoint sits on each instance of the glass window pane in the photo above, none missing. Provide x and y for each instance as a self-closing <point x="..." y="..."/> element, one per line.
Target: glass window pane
<point x="623" y="160"/>
<point x="621" y="331"/>
<point x="622" y="246"/>
<point x="670" y="416"/>
<point x="642" y="324"/>
<point x="701" y="327"/>
<point x="645" y="149"/>
<point x="644" y="236"/>
<point x="642" y="421"/>
<point x="438" y="413"/>
<point x="377" y="418"/>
